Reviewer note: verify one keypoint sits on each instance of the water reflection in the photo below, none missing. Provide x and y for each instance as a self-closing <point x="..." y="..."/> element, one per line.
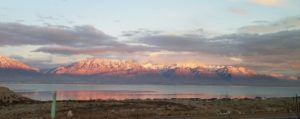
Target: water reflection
<point x="122" y="95"/>
<point x="93" y="95"/>
<point x="120" y="92"/>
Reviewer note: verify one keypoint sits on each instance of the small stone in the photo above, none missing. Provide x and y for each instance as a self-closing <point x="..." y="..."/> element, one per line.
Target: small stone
<point x="70" y="114"/>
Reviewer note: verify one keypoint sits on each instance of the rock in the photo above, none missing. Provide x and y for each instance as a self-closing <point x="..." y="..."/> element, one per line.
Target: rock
<point x="70" y="114"/>
<point x="8" y="97"/>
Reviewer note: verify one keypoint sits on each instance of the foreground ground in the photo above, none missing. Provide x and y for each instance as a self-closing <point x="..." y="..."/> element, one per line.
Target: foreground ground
<point x="154" y="109"/>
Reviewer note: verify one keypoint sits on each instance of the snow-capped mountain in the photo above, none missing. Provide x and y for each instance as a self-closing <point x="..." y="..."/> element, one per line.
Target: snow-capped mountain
<point x="7" y="63"/>
<point x="126" y="67"/>
<point x="126" y="71"/>
<point x="99" y="66"/>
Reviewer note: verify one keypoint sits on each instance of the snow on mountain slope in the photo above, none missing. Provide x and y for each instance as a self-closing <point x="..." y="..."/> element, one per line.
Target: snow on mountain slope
<point x="99" y="66"/>
<point x="126" y="67"/>
<point x="7" y="63"/>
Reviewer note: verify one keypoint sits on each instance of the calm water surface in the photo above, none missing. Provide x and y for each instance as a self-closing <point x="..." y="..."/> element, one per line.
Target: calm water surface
<point x="120" y="92"/>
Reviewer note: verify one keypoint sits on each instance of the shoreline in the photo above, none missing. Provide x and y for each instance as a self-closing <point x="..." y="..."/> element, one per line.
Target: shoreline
<point x="175" y="108"/>
<point x="162" y="84"/>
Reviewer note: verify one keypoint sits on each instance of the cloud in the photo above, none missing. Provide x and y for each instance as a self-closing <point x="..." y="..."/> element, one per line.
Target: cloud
<point x="263" y="44"/>
<point x="17" y="57"/>
<point x="260" y="22"/>
<point x="278" y="49"/>
<point x="63" y="40"/>
<point x="274" y="3"/>
<point x="62" y="50"/>
<point x="245" y="44"/>
<point x="290" y="23"/>
<point x="236" y="59"/>
<point x="139" y="32"/>
<point x="170" y="57"/>
<point x="46" y="62"/>
<point x="173" y="42"/>
<point x="238" y="11"/>
<point x="46" y="18"/>
<point x="15" y="34"/>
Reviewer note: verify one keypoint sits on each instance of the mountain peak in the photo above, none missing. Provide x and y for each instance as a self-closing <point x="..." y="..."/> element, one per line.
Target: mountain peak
<point x="8" y="63"/>
<point x="102" y="61"/>
<point x="98" y="66"/>
<point x="3" y="58"/>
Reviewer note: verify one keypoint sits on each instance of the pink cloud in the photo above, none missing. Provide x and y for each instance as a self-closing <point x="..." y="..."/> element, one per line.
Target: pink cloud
<point x="274" y="3"/>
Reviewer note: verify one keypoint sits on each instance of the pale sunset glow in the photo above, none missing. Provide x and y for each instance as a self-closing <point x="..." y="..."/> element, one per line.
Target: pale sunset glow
<point x="149" y="59"/>
<point x="262" y="35"/>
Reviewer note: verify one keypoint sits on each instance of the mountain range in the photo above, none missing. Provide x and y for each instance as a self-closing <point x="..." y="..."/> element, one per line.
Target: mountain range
<point x="127" y="71"/>
<point x="112" y="67"/>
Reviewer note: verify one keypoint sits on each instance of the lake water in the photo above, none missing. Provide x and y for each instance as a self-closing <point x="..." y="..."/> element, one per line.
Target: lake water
<point x="120" y="92"/>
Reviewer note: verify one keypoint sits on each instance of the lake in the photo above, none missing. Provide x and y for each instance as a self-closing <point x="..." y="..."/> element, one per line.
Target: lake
<point x="134" y="91"/>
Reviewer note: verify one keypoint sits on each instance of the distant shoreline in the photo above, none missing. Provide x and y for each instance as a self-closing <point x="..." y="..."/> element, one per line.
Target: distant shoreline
<point x="167" y="84"/>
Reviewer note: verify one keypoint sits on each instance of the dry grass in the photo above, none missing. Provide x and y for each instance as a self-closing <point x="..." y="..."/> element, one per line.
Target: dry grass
<point x="138" y="109"/>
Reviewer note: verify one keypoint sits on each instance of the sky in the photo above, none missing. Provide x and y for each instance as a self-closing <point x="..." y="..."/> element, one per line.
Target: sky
<point x="260" y="34"/>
